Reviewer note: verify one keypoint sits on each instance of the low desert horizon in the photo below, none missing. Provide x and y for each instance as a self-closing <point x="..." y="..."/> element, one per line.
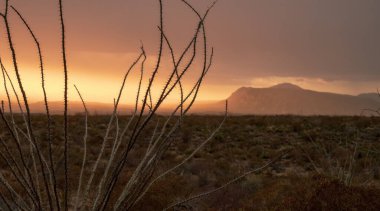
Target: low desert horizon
<point x="370" y="102"/>
<point x="189" y="105"/>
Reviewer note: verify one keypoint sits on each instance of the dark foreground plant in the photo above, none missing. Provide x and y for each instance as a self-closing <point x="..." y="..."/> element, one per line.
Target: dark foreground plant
<point x="30" y="179"/>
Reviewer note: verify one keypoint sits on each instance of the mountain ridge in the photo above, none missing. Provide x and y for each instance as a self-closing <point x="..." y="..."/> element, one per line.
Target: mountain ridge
<point x="288" y="98"/>
<point x="281" y="99"/>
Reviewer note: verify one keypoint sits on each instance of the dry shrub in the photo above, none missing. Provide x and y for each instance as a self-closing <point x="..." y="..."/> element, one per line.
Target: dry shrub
<point x="322" y="193"/>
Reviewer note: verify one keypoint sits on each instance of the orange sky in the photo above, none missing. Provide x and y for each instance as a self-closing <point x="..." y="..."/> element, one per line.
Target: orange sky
<point x="327" y="45"/>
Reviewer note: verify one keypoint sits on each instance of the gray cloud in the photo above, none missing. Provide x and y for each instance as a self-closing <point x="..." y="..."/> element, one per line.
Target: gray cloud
<point x="329" y="39"/>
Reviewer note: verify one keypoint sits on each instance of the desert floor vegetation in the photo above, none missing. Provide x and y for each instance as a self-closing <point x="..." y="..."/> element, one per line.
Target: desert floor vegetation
<point x="305" y="178"/>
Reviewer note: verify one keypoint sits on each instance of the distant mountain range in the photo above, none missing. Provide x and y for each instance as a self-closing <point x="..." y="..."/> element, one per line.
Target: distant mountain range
<point x="74" y="107"/>
<point x="281" y="99"/>
<point x="291" y="99"/>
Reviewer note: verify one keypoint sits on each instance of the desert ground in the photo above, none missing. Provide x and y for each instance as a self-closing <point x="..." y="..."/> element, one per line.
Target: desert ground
<point x="321" y="162"/>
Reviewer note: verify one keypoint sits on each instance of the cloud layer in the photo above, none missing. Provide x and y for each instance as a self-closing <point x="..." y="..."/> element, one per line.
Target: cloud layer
<point x="335" y="41"/>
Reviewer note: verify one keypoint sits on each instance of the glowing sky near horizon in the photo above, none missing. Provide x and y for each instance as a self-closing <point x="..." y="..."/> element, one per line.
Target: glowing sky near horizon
<point x="325" y="45"/>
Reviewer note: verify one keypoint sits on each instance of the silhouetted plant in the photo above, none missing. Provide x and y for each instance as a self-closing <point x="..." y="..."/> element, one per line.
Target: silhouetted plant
<point x="94" y="192"/>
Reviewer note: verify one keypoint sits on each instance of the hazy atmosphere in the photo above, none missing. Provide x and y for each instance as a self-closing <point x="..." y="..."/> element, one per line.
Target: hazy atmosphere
<point x="327" y="45"/>
<point x="145" y="105"/>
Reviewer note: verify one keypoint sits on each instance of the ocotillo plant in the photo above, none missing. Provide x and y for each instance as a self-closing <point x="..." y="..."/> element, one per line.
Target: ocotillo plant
<point x="29" y="180"/>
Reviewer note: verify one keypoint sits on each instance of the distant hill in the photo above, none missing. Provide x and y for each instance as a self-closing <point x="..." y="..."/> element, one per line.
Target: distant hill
<point x="373" y="96"/>
<point x="76" y="107"/>
<point x="56" y="107"/>
<point x="291" y="99"/>
<point x="281" y="99"/>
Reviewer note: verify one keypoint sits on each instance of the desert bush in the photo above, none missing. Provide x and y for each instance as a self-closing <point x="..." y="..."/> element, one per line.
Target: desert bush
<point x="40" y="178"/>
<point x="52" y="163"/>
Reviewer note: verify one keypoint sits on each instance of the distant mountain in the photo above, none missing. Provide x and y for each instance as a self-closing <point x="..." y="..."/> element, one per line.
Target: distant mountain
<point x="291" y="99"/>
<point x="281" y="99"/>
<point x="76" y="107"/>
<point x="373" y="96"/>
<point x="287" y="86"/>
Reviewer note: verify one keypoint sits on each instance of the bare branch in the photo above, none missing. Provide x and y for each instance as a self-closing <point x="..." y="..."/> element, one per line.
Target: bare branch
<point x="85" y="149"/>
<point x="63" y="48"/>
<point x="52" y="175"/>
